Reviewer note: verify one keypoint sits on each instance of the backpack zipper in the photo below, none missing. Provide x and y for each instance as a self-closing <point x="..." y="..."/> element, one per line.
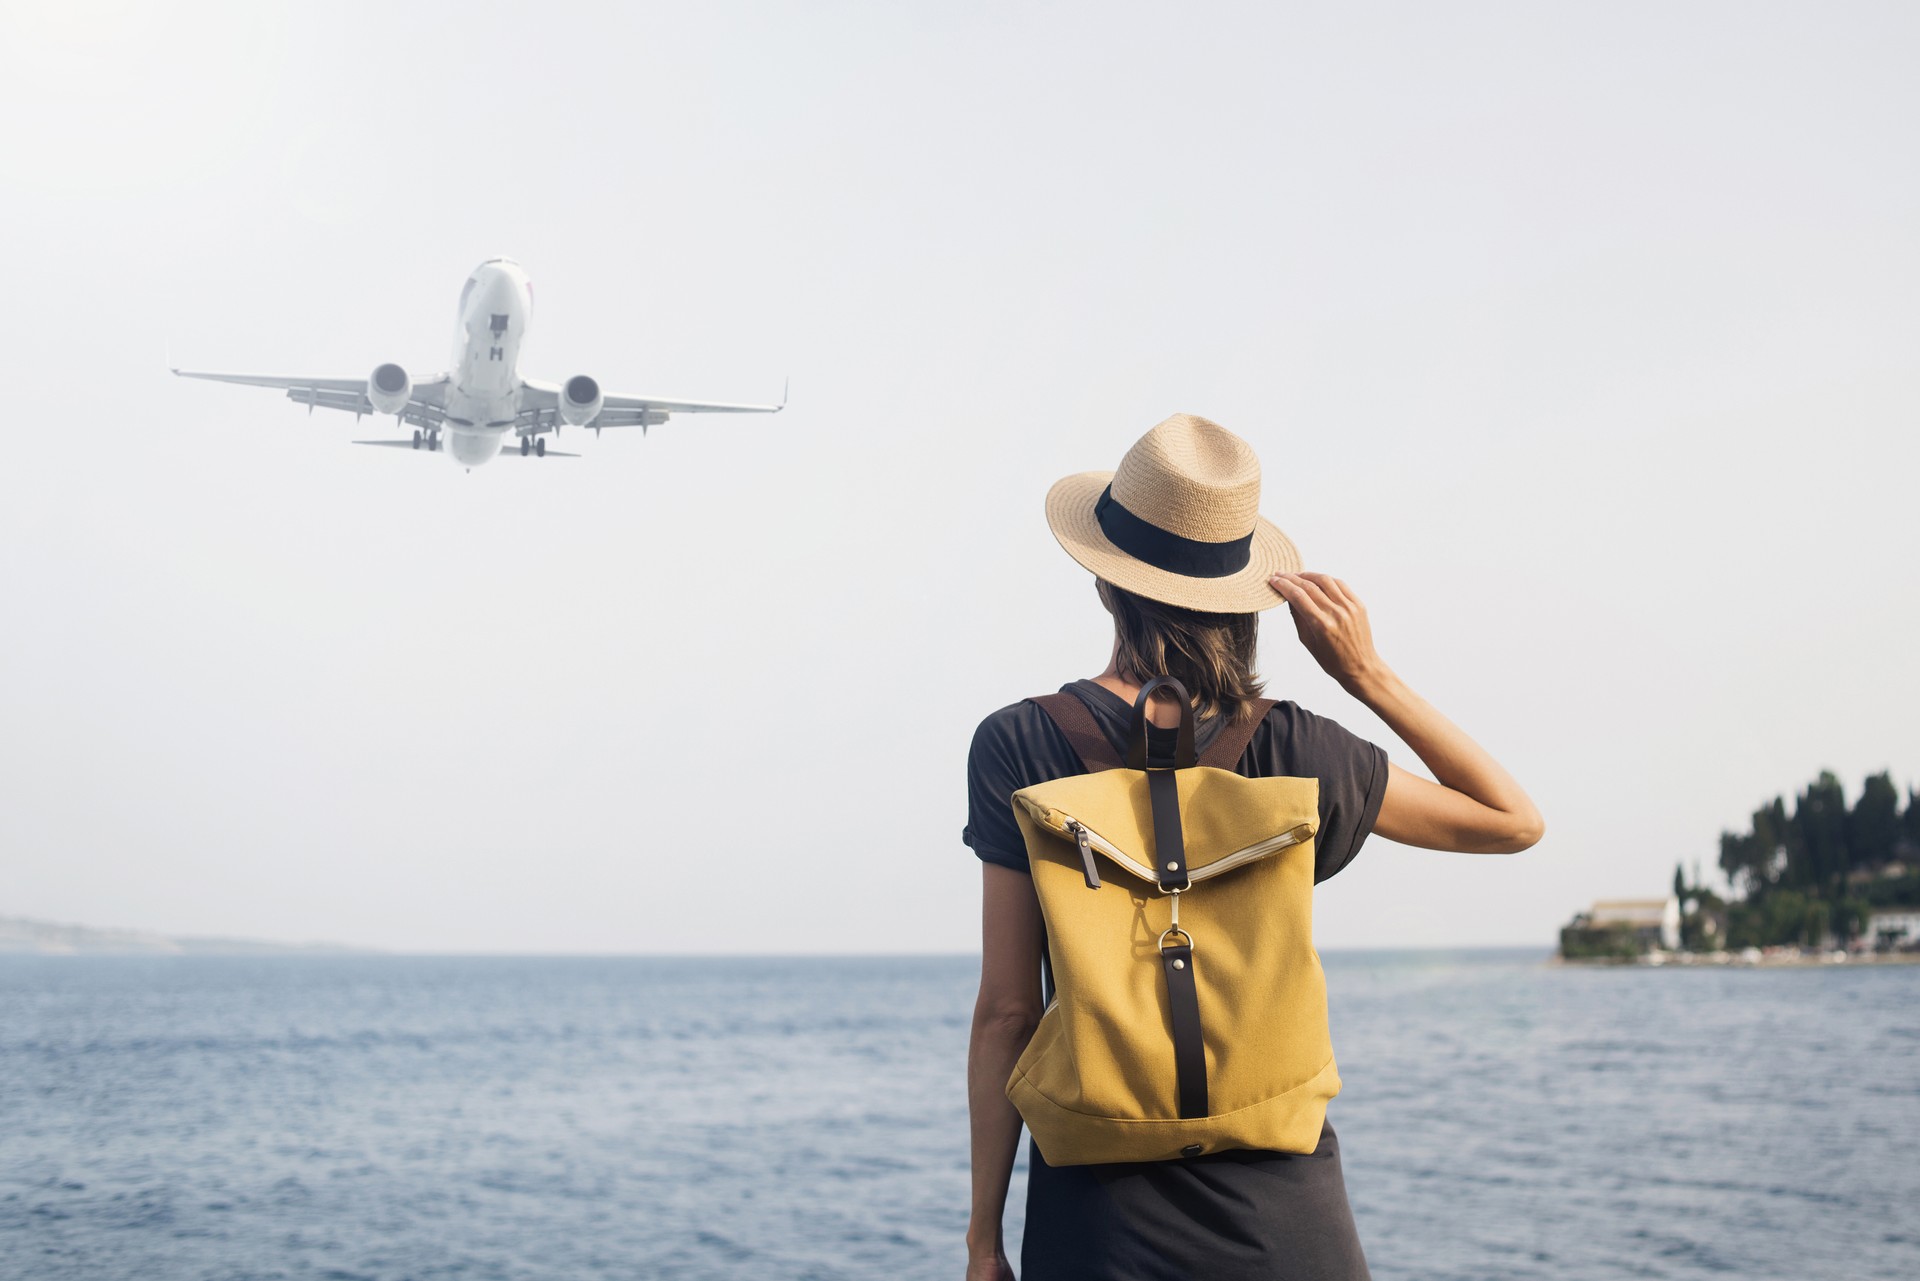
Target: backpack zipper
<point x="1088" y="840"/>
<point x="1080" y="839"/>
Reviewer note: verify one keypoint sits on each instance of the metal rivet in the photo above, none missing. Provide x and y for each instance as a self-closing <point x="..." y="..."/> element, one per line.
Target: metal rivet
<point x="1179" y="964"/>
<point x="1173" y="867"/>
<point x="1192" y="1149"/>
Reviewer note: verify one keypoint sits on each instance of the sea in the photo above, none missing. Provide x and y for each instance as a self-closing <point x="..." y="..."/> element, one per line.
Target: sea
<point x="379" y="1118"/>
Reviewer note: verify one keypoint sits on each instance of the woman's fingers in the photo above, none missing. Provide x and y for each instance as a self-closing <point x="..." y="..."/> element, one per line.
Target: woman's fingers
<point x="1295" y="594"/>
<point x="1333" y="587"/>
<point x="1314" y="593"/>
<point x="1331" y="621"/>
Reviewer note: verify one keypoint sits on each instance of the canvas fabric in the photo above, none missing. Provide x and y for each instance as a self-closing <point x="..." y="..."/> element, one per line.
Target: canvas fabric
<point x="1097" y="1083"/>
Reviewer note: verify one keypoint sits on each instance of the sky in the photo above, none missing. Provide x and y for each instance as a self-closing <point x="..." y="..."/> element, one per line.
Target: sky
<point x="1582" y="340"/>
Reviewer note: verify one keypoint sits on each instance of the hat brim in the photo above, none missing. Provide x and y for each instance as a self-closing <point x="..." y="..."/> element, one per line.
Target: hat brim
<point x="1070" y="514"/>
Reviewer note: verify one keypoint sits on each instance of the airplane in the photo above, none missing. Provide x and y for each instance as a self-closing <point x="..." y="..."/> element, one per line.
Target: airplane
<point x="473" y="412"/>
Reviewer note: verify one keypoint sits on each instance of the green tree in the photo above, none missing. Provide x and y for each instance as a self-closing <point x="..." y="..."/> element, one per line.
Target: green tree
<point x="1679" y="883"/>
<point x="1780" y="840"/>
<point x="1817" y="921"/>
<point x="1910" y="825"/>
<point x="1820" y="821"/>
<point x="1850" y="917"/>
<point x="1755" y="860"/>
<point x="1873" y="827"/>
<point x="1775" y="918"/>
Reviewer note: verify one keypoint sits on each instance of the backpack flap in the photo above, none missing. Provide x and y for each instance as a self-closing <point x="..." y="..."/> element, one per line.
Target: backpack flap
<point x="1105" y="820"/>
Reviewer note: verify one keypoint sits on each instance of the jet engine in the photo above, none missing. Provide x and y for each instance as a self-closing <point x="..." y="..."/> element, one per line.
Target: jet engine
<point x="389" y="389"/>
<point x="580" y="401"/>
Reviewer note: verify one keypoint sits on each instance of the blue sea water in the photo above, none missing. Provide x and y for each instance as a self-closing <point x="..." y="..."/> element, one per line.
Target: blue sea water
<point x="398" y="1117"/>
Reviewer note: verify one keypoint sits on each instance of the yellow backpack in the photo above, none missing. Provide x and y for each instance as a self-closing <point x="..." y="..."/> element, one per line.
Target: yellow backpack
<point x="1189" y="1012"/>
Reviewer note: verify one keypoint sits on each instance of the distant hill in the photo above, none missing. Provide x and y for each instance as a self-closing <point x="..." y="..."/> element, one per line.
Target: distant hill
<point x="18" y="934"/>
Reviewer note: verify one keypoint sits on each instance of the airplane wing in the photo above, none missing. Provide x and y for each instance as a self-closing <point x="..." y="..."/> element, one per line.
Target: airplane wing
<point x="424" y="407"/>
<point x="686" y="406"/>
<point x="540" y="409"/>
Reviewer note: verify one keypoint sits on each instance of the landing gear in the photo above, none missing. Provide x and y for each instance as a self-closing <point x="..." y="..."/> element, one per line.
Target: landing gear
<point x="433" y="440"/>
<point x="416" y="438"/>
<point x="526" y="446"/>
<point x="540" y="446"/>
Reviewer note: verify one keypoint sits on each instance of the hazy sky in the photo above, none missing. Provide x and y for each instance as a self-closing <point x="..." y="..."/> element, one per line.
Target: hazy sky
<point x="1583" y="340"/>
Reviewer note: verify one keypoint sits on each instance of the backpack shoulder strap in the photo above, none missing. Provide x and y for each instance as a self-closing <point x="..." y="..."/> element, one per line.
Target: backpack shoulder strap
<point x="1230" y="744"/>
<point x="1077" y="723"/>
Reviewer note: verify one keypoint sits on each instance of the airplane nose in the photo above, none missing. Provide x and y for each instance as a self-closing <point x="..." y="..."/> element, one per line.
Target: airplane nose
<point x="499" y="289"/>
<point x="495" y="297"/>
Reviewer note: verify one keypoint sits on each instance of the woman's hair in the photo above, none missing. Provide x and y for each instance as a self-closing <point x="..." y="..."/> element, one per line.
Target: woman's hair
<point x="1211" y="654"/>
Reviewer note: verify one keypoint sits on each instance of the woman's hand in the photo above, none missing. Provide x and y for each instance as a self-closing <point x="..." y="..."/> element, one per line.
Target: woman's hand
<point x="1475" y="806"/>
<point x="1332" y="624"/>
<point x="990" y="1267"/>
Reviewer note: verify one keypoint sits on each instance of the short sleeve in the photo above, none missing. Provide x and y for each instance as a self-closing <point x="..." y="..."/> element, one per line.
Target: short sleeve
<point x="1352" y="774"/>
<point x="994" y="773"/>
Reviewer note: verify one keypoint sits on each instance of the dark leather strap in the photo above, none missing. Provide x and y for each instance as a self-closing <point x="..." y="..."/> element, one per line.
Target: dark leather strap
<point x="1169" y="845"/>
<point x="1077" y="723"/>
<point x="1189" y="1050"/>
<point x="1230" y="744"/>
<point x="1169" y="841"/>
<point x="1097" y="753"/>
<point x="1138" y="743"/>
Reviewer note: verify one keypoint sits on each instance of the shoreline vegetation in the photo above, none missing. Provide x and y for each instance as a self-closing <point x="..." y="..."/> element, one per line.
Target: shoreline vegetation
<point x="1746" y="959"/>
<point x="1821" y="883"/>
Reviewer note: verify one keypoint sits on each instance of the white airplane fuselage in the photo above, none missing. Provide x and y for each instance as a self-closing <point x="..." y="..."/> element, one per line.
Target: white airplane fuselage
<point x="483" y="390"/>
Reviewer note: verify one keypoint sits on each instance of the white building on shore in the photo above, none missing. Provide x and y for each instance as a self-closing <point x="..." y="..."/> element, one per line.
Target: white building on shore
<point x="1893" y="926"/>
<point x="1657" y="920"/>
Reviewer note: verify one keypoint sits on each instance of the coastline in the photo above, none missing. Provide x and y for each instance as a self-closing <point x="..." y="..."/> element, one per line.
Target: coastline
<point x="1751" y="959"/>
<point x="26" y="936"/>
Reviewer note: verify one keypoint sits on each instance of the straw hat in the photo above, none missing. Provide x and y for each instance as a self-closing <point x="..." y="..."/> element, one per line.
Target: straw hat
<point x="1179" y="522"/>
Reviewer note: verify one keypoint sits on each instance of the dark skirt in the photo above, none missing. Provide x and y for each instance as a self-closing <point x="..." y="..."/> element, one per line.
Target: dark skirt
<point x="1229" y="1216"/>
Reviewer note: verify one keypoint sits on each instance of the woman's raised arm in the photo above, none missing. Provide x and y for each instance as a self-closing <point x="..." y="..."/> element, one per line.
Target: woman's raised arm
<point x="1475" y="807"/>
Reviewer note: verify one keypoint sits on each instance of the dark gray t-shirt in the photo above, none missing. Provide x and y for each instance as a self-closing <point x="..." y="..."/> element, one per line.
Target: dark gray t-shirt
<point x="1227" y="1216"/>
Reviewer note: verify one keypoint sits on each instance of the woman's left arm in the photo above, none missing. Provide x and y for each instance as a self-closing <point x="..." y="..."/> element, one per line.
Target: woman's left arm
<point x="1004" y="1016"/>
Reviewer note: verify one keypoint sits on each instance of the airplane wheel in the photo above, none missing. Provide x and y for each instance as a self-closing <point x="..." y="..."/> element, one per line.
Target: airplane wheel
<point x="416" y="440"/>
<point x="540" y="448"/>
<point x="525" y="445"/>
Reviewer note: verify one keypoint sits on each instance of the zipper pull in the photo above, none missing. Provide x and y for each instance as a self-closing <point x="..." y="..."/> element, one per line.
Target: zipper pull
<point x="1086" y="854"/>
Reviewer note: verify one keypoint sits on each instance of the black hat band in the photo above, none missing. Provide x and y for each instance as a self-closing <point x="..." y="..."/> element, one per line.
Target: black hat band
<point x="1169" y="551"/>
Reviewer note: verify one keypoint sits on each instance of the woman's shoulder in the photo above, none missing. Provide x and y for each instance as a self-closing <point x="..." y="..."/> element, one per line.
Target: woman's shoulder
<point x="1017" y="731"/>
<point x="1009" y="721"/>
<point x="1293" y="739"/>
<point x="1024" y="741"/>
<point x="1285" y="714"/>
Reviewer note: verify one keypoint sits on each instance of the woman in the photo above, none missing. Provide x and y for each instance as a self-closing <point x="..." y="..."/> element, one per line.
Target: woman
<point x="1184" y="564"/>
